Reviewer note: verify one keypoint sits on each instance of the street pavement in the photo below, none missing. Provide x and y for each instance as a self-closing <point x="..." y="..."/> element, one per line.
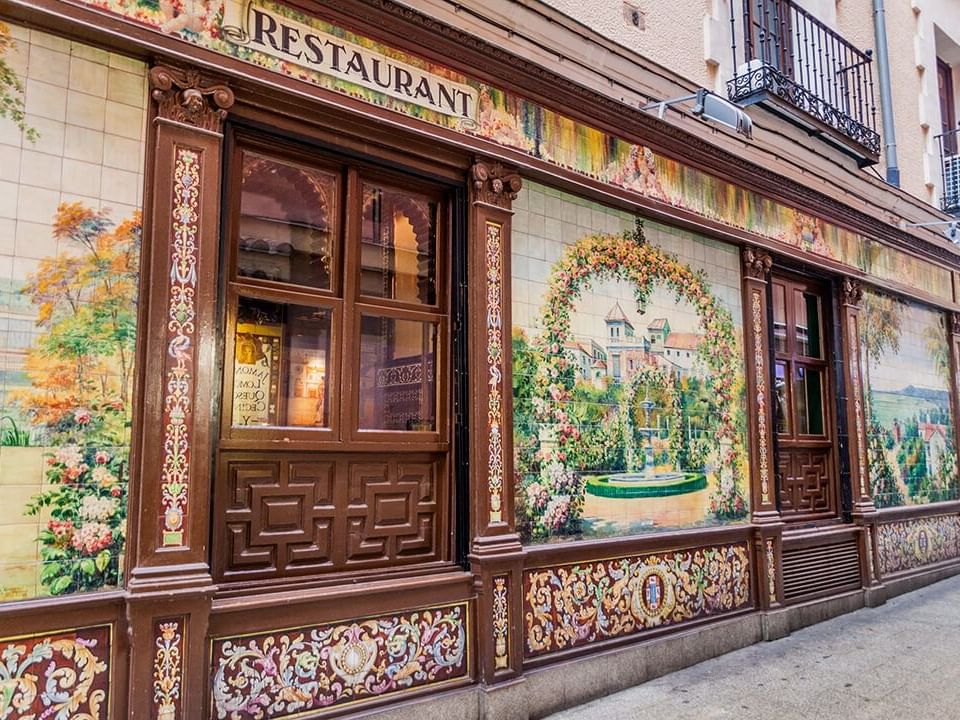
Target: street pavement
<point x="900" y="661"/>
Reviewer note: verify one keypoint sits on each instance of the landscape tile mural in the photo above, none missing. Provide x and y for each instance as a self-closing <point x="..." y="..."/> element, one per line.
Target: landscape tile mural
<point x="627" y="373"/>
<point x="906" y="368"/>
<point x="334" y="58"/>
<point x="72" y="123"/>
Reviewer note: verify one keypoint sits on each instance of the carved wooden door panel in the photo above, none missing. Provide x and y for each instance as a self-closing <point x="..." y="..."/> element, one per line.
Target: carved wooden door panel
<point x="803" y="393"/>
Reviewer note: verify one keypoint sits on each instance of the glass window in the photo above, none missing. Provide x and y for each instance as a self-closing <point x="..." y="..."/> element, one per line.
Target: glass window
<point x="281" y="365"/>
<point x="781" y="408"/>
<point x="809" y="398"/>
<point x="398" y="386"/>
<point x="808" y="324"/>
<point x="779" y="318"/>
<point x="398" y="246"/>
<point x="286" y="226"/>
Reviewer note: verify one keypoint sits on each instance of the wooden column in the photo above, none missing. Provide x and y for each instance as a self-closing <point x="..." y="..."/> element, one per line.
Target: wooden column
<point x="953" y="336"/>
<point x="863" y="510"/>
<point x="495" y="552"/>
<point x="168" y="594"/>
<point x="763" y="490"/>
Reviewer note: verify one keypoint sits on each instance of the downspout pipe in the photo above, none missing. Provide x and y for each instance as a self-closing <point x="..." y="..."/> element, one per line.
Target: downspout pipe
<point x="886" y="94"/>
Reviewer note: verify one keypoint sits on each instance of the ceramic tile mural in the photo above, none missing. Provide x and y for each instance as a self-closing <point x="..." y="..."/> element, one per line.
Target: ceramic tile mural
<point x="71" y="156"/>
<point x="908" y="544"/>
<point x="628" y="374"/>
<point x="906" y="369"/>
<point x="573" y="605"/>
<point x="333" y="58"/>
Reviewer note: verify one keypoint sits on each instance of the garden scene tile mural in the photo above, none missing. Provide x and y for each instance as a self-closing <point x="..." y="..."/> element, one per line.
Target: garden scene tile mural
<point x="72" y="123"/>
<point x="627" y="373"/>
<point x="906" y="370"/>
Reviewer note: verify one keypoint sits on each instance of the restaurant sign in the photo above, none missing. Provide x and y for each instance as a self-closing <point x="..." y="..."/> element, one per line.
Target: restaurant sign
<point x="260" y="28"/>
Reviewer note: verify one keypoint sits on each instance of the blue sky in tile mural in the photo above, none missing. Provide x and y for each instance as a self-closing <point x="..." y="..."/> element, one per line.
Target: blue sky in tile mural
<point x="912" y="451"/>
<point x="620" y="425"/>
<point x="70" y="193"/>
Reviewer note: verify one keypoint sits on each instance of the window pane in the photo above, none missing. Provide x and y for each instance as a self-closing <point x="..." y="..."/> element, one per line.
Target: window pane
<point x="398" y="246"/>
<point x="282" y="357"/>
<point x="398" y="387"/>
<point x="779" y="319"/>
<point x="809" y="399"/>
<point x="286" y="222"/>
<point x="808" y="324"/>
<point x="781" y="409"/>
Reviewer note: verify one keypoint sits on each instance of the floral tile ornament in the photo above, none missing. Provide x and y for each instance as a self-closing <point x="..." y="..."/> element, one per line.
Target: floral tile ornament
<point x="573" y="605"/>
<point x="293" y="672"/>
<point x="910" y="544"/>
<point x="56" y="676"/>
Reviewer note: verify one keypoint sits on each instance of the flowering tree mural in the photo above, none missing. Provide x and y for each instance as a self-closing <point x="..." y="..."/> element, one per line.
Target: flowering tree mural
<point x="80" y="369"/>
<point x="550" y="502"/>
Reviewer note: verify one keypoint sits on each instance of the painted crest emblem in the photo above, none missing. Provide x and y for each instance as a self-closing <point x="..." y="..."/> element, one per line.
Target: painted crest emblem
<point x="652" y="595"/>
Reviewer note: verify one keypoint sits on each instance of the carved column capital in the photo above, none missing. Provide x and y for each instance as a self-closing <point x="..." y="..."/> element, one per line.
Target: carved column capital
<point x="188" y="97"/>
<point x="852" y="291"/>
<point x="494" y="184"/>
<point x="955" y="323"/>
<point x="756" y="263"/>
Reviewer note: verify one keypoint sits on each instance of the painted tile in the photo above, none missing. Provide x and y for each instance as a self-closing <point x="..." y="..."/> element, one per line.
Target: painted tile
<point x="574" y="605"/>
<point x="911" y="544"/>
<point x="628" y="377"/>
<point x="289" y="673"/>
<point x="911" y="444"/>
<point x="67" y="327"/>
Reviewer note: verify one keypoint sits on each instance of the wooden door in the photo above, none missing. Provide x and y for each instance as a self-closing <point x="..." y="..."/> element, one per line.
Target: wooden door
<point x="803" y="392"/>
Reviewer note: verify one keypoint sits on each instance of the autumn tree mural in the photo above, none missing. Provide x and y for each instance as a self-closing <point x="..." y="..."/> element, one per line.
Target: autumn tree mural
<point x="80" y="371"/>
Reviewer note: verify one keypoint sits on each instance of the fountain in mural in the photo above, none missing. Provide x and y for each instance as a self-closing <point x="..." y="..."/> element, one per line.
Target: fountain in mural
<point x="647" y="481"/>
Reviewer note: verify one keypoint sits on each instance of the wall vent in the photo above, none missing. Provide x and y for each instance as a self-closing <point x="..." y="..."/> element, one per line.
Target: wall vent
<point x="829" y="568"/>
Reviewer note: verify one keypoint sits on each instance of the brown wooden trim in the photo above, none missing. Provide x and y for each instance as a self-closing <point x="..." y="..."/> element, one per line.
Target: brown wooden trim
<point x="857" y="430"/>
<point x="909" y="512"/>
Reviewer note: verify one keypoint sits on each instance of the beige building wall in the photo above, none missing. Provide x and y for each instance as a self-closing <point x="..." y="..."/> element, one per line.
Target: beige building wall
<point x="693" y="39"/>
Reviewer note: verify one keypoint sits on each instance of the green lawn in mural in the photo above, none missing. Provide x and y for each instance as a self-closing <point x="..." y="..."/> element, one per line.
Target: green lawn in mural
<point x="628" y="393"/>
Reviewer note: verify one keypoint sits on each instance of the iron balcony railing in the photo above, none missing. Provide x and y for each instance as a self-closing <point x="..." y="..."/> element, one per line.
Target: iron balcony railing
<point x="949" y="143"/>
<point x="788" y="53"/>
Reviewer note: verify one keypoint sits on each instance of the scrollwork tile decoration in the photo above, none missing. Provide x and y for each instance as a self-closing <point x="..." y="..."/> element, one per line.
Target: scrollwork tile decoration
<point x="771" y="572"/>
<point x="909" y="544"/>
<point x="178" y="399"/>
<point x="494" y="254"/>
<point x="573" y="605"/>
<point x="760" y="373"/>
<point x="167" y="670"/>
<point x="56" y="675"/>
<point x="289" y="673"/>
<point x="501" y="623"/>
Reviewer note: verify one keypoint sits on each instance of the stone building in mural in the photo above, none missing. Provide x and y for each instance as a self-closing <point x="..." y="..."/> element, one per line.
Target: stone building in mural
<point x="357" y="355"/>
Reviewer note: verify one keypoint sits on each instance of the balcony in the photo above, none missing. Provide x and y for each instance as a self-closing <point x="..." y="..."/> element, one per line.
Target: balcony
<point x="799" y="68"/>
<point x="950" y="171"/>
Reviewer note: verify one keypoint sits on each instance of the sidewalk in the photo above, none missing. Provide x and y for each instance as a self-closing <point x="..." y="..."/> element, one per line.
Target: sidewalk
<point x="901" y="660"/>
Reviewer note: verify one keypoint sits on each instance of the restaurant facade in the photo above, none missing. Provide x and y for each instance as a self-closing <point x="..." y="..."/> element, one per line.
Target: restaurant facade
<point x="355" y="364"/>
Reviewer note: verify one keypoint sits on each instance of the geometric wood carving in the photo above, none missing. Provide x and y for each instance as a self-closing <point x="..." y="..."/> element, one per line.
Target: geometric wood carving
<point x="805" y="481"/>
<point x="279" y="516"/>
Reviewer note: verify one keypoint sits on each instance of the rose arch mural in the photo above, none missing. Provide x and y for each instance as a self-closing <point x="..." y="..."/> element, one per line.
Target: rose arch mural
<point x="638" y="453"/>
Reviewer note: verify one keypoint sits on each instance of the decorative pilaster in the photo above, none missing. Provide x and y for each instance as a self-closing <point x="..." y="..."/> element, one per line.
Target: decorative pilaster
<point x="756" y="269"/>
<point x="170" y="510"/>
<point x="496" y="552"/>
<point x="953" y="339"/>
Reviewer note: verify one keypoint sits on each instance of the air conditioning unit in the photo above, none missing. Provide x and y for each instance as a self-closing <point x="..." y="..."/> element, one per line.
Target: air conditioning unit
<point x="951" y="183"/>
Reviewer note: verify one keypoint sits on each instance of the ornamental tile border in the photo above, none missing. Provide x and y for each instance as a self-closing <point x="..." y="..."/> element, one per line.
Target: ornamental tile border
<point x="501" y="622"/>
<point x="168" y="669"/>
<point x="573" y="605"/>
<point x="759" y="371"/>
<point x="294" y="672"/>
<point x="57" y="675"/>
<point x="908" y="544"/>
<point x="178" y="400"/>
<point x="494" y="259"/>
<point x="771" y="572"/>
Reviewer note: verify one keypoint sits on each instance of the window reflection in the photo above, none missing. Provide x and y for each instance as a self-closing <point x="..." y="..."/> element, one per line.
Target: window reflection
<point x="781" y="407"/>
<point x="808" y="324"/>
<point x="281" y="362"/>
<point x="779" y="318"/>
<point x="809" y="399"/>
<point x="398" y="246"/>
<point x="286" y="216"/>
<point x="398" y="386"/>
